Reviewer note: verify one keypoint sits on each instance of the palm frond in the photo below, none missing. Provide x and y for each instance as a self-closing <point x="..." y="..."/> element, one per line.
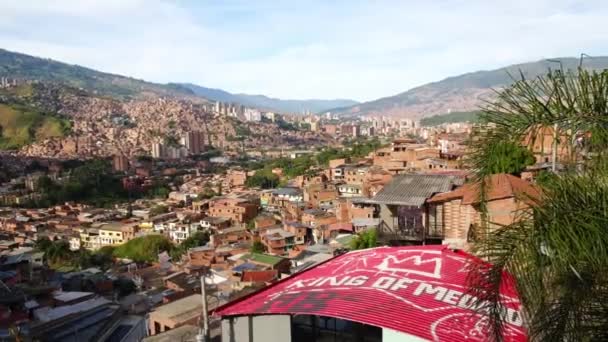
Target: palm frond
<point x="558" y="248"/>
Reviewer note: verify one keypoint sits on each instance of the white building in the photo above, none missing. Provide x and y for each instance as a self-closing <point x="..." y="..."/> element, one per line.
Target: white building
<point x="178" y="232"/>
<point x="252" y="115"/>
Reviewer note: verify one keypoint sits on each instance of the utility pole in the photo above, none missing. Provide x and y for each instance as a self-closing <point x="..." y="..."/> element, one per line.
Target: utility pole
<point x="203" y="335"/>
<point x="554" y="152"/>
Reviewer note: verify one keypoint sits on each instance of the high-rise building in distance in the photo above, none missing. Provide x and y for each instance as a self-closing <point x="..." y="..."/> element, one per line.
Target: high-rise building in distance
<point x="194" y="142"/>
<point x="120" y="163"/>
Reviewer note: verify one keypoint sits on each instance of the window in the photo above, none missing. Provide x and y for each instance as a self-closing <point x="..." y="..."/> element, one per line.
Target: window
<point x="436" y="220"/>
<point x="306" y="328"/>
<point x="472" y="233"/>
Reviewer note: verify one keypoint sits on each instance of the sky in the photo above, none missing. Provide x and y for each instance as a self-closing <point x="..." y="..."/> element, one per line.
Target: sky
<point x="297" y="49"/>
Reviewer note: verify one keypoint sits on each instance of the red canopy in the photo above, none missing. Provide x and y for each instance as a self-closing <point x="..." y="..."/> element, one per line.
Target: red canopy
<point x="415" y="290"/>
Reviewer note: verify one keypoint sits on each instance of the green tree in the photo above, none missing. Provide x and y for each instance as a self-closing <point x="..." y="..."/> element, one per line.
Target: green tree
<point x="145" y="248"/>
<point x="103" y="257"/>
<point x="196" y="240"/>
<point x="258" y="247"/>
<point x="262" y="179"/>
<point x="158" y="209"/>
<point x="92" y="183"/>
<point x="59" y="253"/>
<point x="364" y="240"/>
<point x="207" y="192"/>
<point x="43" y="244"/>
<point x="556" y="250"/>
<point x="506" y="157"/>
<point x="83" y="258"/>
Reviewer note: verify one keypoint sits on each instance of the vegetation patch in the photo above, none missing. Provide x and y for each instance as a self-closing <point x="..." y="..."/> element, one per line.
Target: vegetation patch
<point x="21" y="125"/>
<point x="453" y="117"/>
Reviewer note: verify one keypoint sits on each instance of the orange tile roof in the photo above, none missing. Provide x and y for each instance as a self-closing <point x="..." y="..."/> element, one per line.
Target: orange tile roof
<point x="499" y="186"/>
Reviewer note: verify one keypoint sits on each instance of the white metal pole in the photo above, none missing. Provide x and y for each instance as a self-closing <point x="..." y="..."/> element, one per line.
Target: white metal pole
<point x="204" y="334"/>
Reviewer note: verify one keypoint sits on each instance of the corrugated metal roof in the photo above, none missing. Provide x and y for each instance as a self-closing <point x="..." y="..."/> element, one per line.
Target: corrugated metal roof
<point x="414" y="189"/>
<point x="419" y="290"/>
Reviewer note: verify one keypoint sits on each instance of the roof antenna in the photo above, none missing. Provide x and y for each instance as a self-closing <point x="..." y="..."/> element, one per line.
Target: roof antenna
<point x="583" y="55"/>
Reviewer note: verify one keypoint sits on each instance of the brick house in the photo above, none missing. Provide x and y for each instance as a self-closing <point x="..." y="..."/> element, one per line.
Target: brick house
<point x="457" y="212"/>
<point x="347" y="210"/>
<point x="268" y="262"/>
<point x="404" y="155"/>
<point x="336" y="169"/>
<point x="259" y="277"/>
<point x="201" y="256"/>
<point x="318" y="220"/>
<point x="301" y="232"/>
<point x="278" y="241"/>
<point x="375" y="179"/>
<point x="236" y="178"/>
<point x="238" y="209"/>
<point x="542" y="144"/>
<point x="230" y="235"/>
<point x="264" y="221"/>
<point x="319" y="196"/>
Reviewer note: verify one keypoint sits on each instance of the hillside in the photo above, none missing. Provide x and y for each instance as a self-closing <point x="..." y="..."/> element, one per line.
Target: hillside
<point x="268" y="103"/>
<point x="21" y="66"/>
<point x="460" y="93"/>
<point x="56" y="120"/>
<point x="453" y="117"/>
<point x="22" y="124"/>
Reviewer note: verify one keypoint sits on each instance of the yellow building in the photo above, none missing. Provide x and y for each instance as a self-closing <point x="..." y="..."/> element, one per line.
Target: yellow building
<point x="116" y="233"/>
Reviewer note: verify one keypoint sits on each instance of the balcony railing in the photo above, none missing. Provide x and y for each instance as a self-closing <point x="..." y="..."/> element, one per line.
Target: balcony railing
<point x="417" y="233"/>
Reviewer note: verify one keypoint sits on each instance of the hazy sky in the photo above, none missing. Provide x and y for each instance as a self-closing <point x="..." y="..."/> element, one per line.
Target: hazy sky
<point x="303" y="49"/>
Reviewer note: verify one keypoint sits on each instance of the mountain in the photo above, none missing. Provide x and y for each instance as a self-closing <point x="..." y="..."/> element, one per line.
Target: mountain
<point x="462" y="93"/>
<point x="51" y="119"/>
<point x="21" y="66"/>
<point x="267" y="103"/>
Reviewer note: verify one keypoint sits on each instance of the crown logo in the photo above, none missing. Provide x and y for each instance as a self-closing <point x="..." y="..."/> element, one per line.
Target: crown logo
<point x="414" y="264"/>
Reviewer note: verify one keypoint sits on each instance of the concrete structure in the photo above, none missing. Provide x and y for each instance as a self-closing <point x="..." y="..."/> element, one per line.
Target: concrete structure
<point x="185" y="333"/>
<point x="175" y="314"/>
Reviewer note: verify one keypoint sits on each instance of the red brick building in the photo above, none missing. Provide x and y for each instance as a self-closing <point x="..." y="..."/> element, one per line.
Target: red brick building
<point x="457" y="213"/>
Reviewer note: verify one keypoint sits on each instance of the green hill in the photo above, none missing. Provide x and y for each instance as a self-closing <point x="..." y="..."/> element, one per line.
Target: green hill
<point x="453" y="117"/>
<point x="463" y="93"/>
<point x="21" y="125"/>
<point x="21" y="66"/>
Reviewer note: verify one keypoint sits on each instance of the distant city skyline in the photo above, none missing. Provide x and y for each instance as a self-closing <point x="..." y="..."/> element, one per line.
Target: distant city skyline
<point x="302" y="49"/>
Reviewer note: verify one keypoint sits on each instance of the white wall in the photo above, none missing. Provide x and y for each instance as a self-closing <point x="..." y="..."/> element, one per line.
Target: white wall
<point x="268" y="328"/>
<point x="389" y="335"/>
